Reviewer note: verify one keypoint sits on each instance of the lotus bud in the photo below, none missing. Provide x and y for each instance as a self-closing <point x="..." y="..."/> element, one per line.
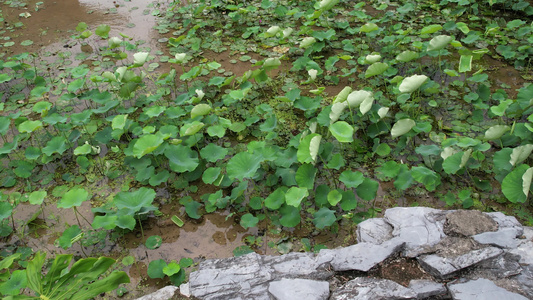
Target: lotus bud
<point x="200" y="94"/>
<point x="180" y="58"/>
<point x="306" y="42"/>
<point x="312" y="73"/>
<point x="272" y="31"/>
<point x="114" y="42"/>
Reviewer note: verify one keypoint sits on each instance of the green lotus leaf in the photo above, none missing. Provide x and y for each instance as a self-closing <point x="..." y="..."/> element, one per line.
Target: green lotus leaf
<point x="146" y="144"/>
<point x="368" y="189"/>
<point x="295" y="195"/>
<point x="103" y="31"/>
<point x="407" y="56"/>
<point x="439" y="42"/>
<point x="191" y="128"/>
<point x="74" y="197"/>
<point x="369" y="27"/>
<point x="243" y="165"/>
<point x="342" y="131"/>
<point x="290" y="216"/>
<point x="212" y="152"/>
<point x="402" y="127"/>
<point x="6" y="209"/>
<point x="308" y="148"/>
<point x="334" y="197"/>
<point x="69" y="237"/>
<point x="276" y="199"/>
<point x="108" y="222"/>
<point x="16" y="282"/>
<point x="83" y="149"/>
<point x="139" y="201"/>
<point x="181" y="158"/>
<point x="271" y="63"/>
<point x="191" y="208"/>
<point x="29" y="126"/>
<point x="305" y="176"/>
<point x="412" y="83"/>
<point x="351" y="179"/>
<point x="57" y="144"/>
<point x="516" y="185"/>
<point x="324" y="217"/>
<point x="465" y="63"/>
<point x="429" y="178"/>
<point x="5" y="122"/>
<point x="431" y="29"/>
<point x="37" y="197"/>
<point x="201" y="109"/>
<point x="159" y="178"/>
<point x="155" y="268"/>
<point x="357" y="97"/>
<point x="520" y="154"/>
<point x="140" y="58"/>
<point x="126" y="222"/>
<point x="336" y="111"/>
<point x="153" y="242"/>
<point x="248" y="220"/>
<point x="119" y="121"/>
<point x="343" y="95"/>
<point x="348" y="201"/>
<point x="172" y="268"/>
<point x="376" y="68"/>
<point x="211" y="174"/>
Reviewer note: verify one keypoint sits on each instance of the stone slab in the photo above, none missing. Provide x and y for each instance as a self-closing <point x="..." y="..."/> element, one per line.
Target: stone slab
<point x="161" y="294"/>
<point x="505" y="221"/>
<point x="504" y="238"/>
<point x="372" y="288"/>
<point x="290" y="289"/>
<point x="418" y="227"/>
<point x="375" y="231"/>
<point x="481" y="289"/>
<point x="444" y="267"/>
<point x="360" y="257"/>
<point x="427" y="288"/>
<point x="525" y="250"/>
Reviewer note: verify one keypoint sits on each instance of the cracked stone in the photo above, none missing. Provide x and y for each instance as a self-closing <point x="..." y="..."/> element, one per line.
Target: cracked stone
<point x="360" y="257"/>
<point x="504" y="238"/>
<point x="444" y="267"/>
<point x="418" y="227"/>
<point x="372" y="288"/>
<point x="290" y="289"/>
<point x="427" y="288"/>
<point x="481" y="289"/>
<point x="375" y="231"/>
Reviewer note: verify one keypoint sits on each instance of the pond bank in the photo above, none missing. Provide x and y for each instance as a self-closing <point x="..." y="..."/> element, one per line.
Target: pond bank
<point x="411" y="253"/>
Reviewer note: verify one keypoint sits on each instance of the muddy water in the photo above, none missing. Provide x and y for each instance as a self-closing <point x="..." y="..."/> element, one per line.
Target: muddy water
<point x="50" y="24"/>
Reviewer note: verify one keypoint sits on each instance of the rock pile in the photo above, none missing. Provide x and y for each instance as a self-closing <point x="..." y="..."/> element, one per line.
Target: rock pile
<point x="410" y="253"/>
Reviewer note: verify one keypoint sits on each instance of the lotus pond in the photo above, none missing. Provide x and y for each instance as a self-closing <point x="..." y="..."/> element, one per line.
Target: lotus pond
<point x="155" y="134"/>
